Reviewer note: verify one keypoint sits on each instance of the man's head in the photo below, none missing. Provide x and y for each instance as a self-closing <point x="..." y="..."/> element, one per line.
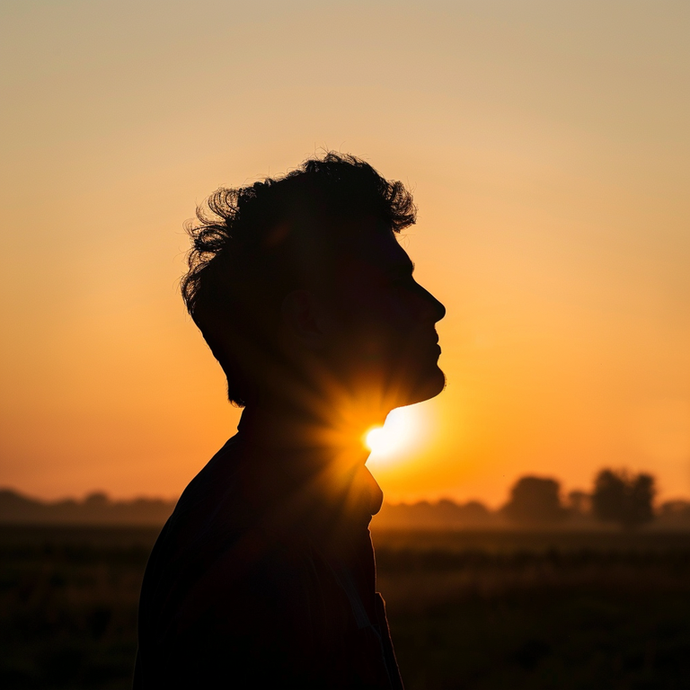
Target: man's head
<point x="301" y="289"/>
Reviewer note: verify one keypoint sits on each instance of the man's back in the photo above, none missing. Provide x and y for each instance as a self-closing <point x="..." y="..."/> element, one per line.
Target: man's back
<point x="264" y="576"/>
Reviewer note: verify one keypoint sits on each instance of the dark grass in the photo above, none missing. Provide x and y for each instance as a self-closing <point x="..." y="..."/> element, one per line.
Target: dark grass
<point x="467" y="610"/>
<point x="612" y="613"/>
<point x="68" y="605"/>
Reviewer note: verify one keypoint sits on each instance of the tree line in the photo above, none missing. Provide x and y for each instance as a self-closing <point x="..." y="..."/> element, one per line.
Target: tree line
<point x="618" y="496"/>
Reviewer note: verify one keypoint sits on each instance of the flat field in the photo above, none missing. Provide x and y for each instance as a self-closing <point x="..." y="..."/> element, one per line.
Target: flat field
<point x="472" y="610"/>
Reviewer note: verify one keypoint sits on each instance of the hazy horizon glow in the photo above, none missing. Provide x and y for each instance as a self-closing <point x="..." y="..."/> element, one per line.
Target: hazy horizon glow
<point x="546" y="145"/>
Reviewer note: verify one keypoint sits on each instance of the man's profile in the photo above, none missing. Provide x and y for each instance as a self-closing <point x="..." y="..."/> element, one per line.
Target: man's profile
<point x="264" y="575"/>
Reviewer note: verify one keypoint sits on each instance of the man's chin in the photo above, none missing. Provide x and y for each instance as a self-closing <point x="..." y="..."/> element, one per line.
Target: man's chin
<point x="427" y="388"/>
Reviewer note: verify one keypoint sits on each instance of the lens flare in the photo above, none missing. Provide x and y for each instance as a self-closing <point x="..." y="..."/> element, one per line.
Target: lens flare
<point x="400" y="431"/>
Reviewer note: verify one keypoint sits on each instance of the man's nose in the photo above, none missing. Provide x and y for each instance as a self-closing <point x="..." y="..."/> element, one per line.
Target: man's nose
<point x="435" y="309"/>
<point x="439" y="307"/>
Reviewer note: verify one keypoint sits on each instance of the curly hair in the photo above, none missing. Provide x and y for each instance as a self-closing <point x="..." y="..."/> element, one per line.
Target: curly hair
<point x="252" y="245"/>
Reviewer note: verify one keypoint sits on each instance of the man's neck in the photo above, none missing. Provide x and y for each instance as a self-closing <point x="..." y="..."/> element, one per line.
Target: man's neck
<point x="303" y="450"/>
<point x="290" y="429"/>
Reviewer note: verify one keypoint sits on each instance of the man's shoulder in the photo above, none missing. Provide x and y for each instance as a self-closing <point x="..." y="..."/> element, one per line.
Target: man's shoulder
<point x="201" y="503"/>
<point x="225" y="536"/>
<point x="240" y="582"/>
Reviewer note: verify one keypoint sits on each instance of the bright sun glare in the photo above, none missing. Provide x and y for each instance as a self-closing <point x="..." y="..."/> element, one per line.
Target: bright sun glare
<point x="400" y="430"/>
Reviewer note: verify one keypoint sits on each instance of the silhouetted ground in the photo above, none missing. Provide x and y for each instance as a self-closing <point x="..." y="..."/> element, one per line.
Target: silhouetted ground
<point x="514" y="610"/>
<point x="468" y="610"/>
<point x="68" y="605"/>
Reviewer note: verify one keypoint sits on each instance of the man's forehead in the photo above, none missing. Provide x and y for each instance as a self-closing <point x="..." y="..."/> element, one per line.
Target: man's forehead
<point x="378" y="248"/>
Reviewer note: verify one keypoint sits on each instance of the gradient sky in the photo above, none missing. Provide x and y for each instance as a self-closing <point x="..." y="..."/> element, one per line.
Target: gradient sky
<point x="548" y="148"/>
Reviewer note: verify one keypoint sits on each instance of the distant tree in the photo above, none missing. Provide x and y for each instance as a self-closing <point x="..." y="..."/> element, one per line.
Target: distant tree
<point x="475" y="511"/>
<point x="622" y="497"/>
<point x="535" y="500"/>
<point x="677" y="508"/>
<point x="675" y="514"/>
<point x="97" y="499"/>
<point x="579" y="502"/>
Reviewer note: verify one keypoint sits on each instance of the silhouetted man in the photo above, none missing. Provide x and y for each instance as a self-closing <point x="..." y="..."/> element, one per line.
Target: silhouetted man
<point x="264" y="575"/>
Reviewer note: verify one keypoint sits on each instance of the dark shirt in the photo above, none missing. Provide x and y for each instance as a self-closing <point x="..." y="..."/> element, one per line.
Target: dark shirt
<point x="264" y="576"/>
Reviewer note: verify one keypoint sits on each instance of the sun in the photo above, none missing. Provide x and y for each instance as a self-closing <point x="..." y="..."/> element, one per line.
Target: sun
<point x="400" y="431"/>
<point x="377" y="439"/>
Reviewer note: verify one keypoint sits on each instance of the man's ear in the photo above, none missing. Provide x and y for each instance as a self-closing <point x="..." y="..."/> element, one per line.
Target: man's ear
<point x="301" y="315"/>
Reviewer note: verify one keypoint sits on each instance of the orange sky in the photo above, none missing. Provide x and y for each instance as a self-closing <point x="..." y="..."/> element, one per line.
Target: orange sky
<point x="548" y="148"/>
